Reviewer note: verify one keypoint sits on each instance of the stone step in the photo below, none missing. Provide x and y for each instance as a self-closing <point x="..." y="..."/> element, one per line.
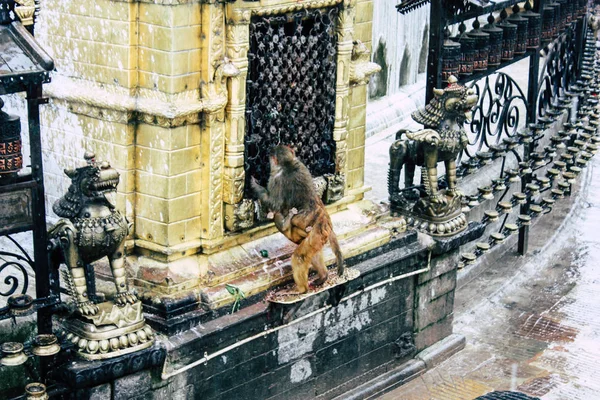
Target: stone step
<point x="246" y="259"/>
<point x="271" y="275"/>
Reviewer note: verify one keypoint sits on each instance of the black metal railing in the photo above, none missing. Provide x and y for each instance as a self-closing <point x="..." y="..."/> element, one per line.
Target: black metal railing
<point x="500" y="112"/>
<point x="509" y="121"/>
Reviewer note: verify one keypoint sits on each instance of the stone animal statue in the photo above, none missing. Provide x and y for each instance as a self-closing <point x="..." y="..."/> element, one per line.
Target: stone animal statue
<point x="443" y="139"/>
<point x="91" y="228"/>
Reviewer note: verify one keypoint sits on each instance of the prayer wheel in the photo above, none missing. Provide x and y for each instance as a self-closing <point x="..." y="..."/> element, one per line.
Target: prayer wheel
<point x="11" y="159"/>
<point x="482" y="45"/>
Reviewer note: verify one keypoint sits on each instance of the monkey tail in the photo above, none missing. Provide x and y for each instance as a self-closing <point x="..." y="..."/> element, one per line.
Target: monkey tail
<point x="335" y="246"/>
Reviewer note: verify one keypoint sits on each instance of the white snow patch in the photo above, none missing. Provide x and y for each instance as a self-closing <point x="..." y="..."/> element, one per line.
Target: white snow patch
<point x="378" y="294"/>
<point x="297" y="340"/>
<point x="300" y="371"/>
<point x="344" y="328"/>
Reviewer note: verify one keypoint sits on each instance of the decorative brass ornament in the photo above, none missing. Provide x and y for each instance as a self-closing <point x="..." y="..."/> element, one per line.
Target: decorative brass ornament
<point x="36" y="391"/>
<point x="361" y="67"/>
<point x="113" y="331"/>
<point x="20" y="304"/>
<point x="91" y="229"/>
<point x="45" y="345"/>
<point x="25" y="11"/>
<point x="11" y="158"/>
<point x="12" y="354"/>
<point x="443" y="138"/>
<point x="239" y="216"/>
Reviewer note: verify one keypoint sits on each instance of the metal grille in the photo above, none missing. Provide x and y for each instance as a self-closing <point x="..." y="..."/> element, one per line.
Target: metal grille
<point x="291" y="90"/>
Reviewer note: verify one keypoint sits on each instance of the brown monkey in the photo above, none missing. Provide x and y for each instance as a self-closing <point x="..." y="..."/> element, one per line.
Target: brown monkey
<point x="300" y="215"/>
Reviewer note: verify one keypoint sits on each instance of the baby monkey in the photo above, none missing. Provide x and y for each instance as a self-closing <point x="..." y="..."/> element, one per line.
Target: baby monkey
<point x="300" y="215"/>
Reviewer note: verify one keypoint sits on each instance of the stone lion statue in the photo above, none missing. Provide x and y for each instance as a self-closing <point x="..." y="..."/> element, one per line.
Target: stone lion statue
<point x="443" y="139"/>
<point x="91" y="228"/>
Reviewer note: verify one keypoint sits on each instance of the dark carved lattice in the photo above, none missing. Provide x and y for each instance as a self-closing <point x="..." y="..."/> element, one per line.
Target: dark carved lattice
<point x="291" y="90"/>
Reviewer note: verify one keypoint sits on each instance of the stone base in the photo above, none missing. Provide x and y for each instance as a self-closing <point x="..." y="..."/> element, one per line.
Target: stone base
<point x="438" y="219"/>
<point x="112" y="332"/>
<point x="408" y="371"/>
<point x="439" y="227"/>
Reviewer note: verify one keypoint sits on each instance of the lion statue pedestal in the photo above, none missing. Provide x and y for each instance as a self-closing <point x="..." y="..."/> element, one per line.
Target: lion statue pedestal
<point x="434" y="211"/>
<point x="91" y="229"/>
<point x="113" y="331"/>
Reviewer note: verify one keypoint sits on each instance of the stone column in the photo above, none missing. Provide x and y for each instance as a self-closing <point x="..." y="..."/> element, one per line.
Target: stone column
<point x="213" y="130"/>
<point x="238" y="44"/>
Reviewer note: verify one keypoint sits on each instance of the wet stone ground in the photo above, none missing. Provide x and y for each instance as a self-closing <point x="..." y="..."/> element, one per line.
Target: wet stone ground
<point x="532" y="323"/>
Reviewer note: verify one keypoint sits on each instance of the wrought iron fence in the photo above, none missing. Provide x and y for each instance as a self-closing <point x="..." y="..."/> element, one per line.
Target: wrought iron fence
<point x="500" y="112"/>
<point x="561" y="69"/>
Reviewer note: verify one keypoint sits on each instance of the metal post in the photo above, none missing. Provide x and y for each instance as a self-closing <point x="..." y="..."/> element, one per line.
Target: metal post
<point x="436" y="41"/>
<point x="532" y="99"/>
<point x="40" y="240"/>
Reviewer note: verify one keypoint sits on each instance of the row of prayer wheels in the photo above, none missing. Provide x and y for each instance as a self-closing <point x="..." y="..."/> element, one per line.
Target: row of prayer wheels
<point x="488" y="46"/>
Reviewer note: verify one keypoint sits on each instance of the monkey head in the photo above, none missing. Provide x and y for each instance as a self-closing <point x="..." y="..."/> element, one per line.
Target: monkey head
<point x="281" y="155"/>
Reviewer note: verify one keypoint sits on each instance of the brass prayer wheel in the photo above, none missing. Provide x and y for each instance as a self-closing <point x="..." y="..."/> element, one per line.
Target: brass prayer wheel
<point x="12" y="354"/>
<point x="11" y="159"/>
<point x="45" y="345"/>
<point x="559" y="15"/>
<point x="481" y="45"/>
<point x="556" y="19"/>
<point x="468" y="52"/>
<point x="451" y="57"/>
<point x="496" y="35"/>
<point x="36" y="391"/>
<point x="582" y="9"/>
<point x="547" y="25"/>
<point x="534" y="29"/>
<point x="522" y="30"/>
<point x="565" y="12"/>
<point x="509" y="37"/>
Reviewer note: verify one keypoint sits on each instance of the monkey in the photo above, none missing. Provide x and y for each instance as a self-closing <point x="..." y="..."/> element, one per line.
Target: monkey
<point x="300" y="215"/>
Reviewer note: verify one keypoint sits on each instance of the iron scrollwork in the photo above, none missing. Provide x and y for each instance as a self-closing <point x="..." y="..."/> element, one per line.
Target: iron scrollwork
<point x="15" y="283"/>
<point x="560" y="71"/>
<point x="12" y="281"/>
<point x="497" y="115"/>
<point x="291" y="90"/>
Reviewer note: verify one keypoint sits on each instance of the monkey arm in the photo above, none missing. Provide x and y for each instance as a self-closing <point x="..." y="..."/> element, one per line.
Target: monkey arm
<point x="284" y="223"/>
<point x="286" y="226"/>
<point x="261" y="192"/>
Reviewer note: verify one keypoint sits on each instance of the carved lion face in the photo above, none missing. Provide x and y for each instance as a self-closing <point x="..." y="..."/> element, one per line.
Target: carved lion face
<point x="453" y="102"/>
<point x="457" y="100"/>
<point x="97" y="181"/>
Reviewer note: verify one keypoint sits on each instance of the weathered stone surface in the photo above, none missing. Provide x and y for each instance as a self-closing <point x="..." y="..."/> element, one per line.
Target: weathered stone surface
<point x="386" y="381"/>
<point x="439" y="266"/>
<point x="436" y="287"/>
<point x="323" y="351"/>
<point x="81" y="374"/>
<point x="433" y="311"/>
<point x="101" y="392"/>
<point x="445" y="245"/>
<point x="434" y="333"/>
<point x="442" y="350"/>
<point x="132" y="385"/>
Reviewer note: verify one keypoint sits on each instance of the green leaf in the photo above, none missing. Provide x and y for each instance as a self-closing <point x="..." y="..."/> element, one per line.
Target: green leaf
<point x="231" y="289"/>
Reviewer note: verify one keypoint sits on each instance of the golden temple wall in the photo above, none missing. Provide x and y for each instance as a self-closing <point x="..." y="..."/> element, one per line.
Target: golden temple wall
<point x="158" y="89"/>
